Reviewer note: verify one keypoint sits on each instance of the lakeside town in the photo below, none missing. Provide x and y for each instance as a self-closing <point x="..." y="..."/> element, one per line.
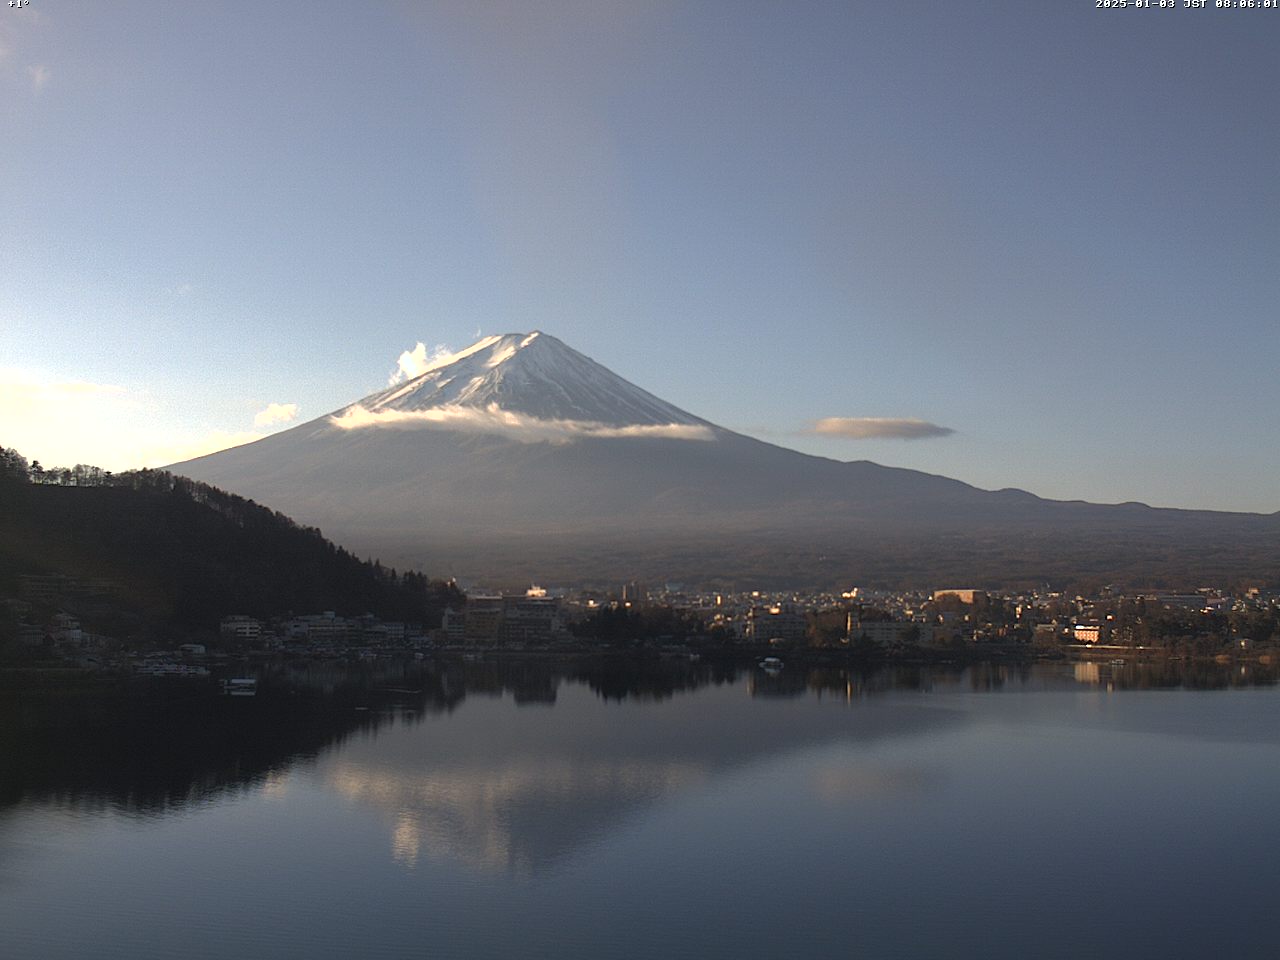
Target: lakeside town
<point x="53" y="618"/>
<point x="150" y="573"/>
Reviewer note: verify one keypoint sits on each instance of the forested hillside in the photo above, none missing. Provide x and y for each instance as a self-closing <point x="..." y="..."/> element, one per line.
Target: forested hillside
<point x="164" y="552"/>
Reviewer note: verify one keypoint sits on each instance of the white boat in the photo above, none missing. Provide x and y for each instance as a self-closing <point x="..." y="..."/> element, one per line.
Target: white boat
<point x="154" y="668"/>
<point x="240" y="686"/>
<point x="771" y="665"/>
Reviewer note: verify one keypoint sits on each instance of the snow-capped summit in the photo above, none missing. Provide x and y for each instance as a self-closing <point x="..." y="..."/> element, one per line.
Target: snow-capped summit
<point x="531" y="375"/>
<point x="519" y="457"/>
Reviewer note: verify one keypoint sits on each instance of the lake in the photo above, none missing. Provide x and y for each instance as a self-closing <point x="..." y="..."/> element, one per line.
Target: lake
<point x="605" y="810"/>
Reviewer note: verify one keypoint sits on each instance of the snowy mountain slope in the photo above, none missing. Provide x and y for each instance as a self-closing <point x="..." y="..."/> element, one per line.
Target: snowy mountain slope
<point x="534" y="375"/>
<point x="520" y="455"/>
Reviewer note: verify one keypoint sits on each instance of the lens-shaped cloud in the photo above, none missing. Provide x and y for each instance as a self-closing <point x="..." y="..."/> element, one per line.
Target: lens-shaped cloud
<point x="878" y="428"/>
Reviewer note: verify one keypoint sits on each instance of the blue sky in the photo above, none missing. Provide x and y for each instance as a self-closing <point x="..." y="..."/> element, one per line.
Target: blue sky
<point x="1050" y="228"/>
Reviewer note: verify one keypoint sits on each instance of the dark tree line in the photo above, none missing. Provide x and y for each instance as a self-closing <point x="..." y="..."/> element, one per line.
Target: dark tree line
<point x="189" y="553"/>
<point x="622" y="625"/>
<point x="15" y="467"/>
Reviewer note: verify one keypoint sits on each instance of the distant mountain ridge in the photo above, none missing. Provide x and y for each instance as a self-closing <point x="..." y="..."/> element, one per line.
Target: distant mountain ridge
<point x="521" y="458"/>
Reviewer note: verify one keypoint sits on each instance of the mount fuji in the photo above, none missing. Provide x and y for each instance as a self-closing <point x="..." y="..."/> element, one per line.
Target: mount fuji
<point x="521" y="458"/>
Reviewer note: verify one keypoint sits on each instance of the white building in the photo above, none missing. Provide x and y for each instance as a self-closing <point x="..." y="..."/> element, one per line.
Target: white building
<point x="777" y="622"/>
<point x="238" y="627"/>
<point x="1087" y="632"/>
<point x="891" y="633"/>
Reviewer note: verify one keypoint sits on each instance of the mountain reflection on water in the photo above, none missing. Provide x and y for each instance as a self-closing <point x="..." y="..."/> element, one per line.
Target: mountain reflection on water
<point x="613" y="808"/>
<point x="147" y="747"/>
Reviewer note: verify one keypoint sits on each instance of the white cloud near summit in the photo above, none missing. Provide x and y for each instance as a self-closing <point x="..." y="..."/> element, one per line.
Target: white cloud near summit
<point x="416" y="362"/>
<point x="878" y="428"/>
<point x="275" y="413"/>
<point x="517" y="426"/>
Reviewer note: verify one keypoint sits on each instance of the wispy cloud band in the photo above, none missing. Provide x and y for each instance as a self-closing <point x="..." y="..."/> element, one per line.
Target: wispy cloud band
<point x="878" y="428"/>
<point x="517" y="426"/>
<point x="39" y="76"/>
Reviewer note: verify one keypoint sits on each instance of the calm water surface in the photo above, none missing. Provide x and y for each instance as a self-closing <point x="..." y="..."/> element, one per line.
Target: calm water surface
<point x="488" y="810"/>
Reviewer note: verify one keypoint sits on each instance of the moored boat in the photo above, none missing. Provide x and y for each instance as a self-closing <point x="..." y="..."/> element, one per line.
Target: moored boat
<point x="240" y="686"/>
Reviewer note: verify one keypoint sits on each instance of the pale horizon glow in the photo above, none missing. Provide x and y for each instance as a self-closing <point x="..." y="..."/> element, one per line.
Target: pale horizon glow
<point x="62" y="423"/>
